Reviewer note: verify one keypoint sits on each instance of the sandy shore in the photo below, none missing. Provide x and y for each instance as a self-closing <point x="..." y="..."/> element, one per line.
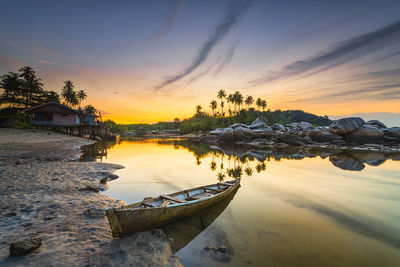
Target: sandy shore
<point x="44" y="195"/>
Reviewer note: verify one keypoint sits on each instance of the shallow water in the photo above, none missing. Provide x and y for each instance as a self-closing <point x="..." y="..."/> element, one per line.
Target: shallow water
<point x="290" y="210"/>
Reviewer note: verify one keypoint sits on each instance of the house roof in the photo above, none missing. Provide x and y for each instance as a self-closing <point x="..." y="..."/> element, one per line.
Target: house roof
<point x="51" y="107"/>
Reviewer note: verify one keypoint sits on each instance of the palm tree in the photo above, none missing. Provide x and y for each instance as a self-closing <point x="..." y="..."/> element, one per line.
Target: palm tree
<point x="238" y="100"/>
<point x="230" y="100"/>
<point x="213" y="165"/>
<point x="248" y="171"/>
<point x="264" y="104"/>
<point x="11" y="85"/>
<point x="198" y="109"/>
<point x="249" y="100"/>
<point x="213" y="106"/>
<point x="90" y="110"/>
<point x="220" y="176"/>
<point x="222" y="108"/>
<point x="31" y="85"/>
<point x="221" y="95"/>
<point x="259" y="103"/>
<point x="69" y="94"/>
<point x="81" y="95"/>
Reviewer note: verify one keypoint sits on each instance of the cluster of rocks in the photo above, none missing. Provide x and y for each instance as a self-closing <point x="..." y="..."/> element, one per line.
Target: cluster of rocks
<point x="346" y="131"/>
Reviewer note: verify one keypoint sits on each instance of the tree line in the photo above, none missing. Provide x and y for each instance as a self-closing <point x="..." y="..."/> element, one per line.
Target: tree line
<point x="235" y="103"/>
<point x="23" y="89"/>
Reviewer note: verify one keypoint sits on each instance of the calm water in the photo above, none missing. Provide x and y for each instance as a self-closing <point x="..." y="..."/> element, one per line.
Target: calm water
<point x="289" y="211"/>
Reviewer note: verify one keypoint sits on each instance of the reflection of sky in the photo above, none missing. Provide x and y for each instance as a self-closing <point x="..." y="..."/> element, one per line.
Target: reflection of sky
<point x="295" y="212"/>
<point x="133" y="47"/>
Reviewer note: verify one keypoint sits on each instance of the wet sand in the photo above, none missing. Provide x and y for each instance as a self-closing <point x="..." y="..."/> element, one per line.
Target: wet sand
<point x="45" y="195"/>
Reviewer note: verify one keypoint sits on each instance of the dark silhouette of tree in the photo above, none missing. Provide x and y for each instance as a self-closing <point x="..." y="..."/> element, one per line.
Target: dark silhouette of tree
<point x="89" y="110"/>
<point x="81" y="95"/>
<point x="213" y="165"/>
<point x="220" y="176"/>
<point x="198" y="109"/>
<point x="249" y="101"/>
<point x="32" y="90"/>
<point x="230" y="99"/>
<point x="263" y="104"/>
<point x="213" y="106"/>
<point x="259" y="103"/>
<point x="11" y="85"/>
<point x="69" y="95"/>
<point x="221" y="95"/>
<point x="52" y="96"/>
<point x="248" y="171"/>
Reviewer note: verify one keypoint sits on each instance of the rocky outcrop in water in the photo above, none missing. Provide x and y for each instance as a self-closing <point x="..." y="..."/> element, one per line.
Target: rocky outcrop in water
<point x="348" y="132"/>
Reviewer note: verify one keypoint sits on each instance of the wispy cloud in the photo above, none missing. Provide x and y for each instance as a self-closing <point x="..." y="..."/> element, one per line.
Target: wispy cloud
<point x="235" y="12"/>
<point x="43" y="61"/>
<point x="206" y="71"/>
<point x="344" y="52"/>
<point x="228" y="58"/>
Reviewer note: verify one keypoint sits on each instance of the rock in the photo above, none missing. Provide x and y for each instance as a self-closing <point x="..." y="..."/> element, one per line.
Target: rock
<point x="238" y="134"/>
<point x="307" y="140"/>
<point x="376" y="123"/>
<point x="217" y="131"/>
<point x="345" y="125"/>
<point x="24" y="247"/>
<point x="393" y="131"/>
<point x="209" y="248"/>
<point x="290" y="139"/>
<point x="323" y="136"/>
<point x="260" y="122"/>
<point x="278" y="127"/>
<point x="366" y="134"/>
<point x="305" y="126"/>
<point x="346" y="162"/>
<point x="226" y="136"/>
<point x="247" y="131"/>
<point x="222" y="249"/>
<point x="233" y="126"/>
<point x="104" y="180"/>
<point x="90" y="188"/>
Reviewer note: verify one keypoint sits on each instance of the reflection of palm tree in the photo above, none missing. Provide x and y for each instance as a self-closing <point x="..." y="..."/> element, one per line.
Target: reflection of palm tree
<point x="248" y="171"/>
<point x="198" y="162"/>
<point x="213" y="165"/>
<point x="220" y="176"/>
<point x="237" y="172"/>
<point x="261" y="167"/>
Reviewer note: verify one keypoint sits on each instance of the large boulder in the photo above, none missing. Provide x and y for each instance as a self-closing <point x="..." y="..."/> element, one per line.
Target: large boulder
<point x="346" y="162"/>
<point x="217" y="131"/>
<point x="233" y="126"/>
<point x="278" y="127"/>
<point x="262" y="133"/>
<point x="366" y="134"/>
<point x="226" y="136"/>
<point x="323" y="136"/>
<point x="290" y="139"/>
<point x="376" y="123"/>
<point x="345" y="125"/>
<point x="260" y="122"/>
<point x="239" y="134"/>
<point x="24" y="247"/>
<point x="393" y="132"/>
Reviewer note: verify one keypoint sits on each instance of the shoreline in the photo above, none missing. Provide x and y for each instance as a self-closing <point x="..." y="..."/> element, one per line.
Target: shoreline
<point x="48" y="196"/>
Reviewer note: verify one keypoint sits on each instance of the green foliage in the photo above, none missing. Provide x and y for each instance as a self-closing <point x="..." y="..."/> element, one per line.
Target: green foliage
<point x="206" y="123"/>
<point x="114" y="127"/>
<point x="23" y="89"/>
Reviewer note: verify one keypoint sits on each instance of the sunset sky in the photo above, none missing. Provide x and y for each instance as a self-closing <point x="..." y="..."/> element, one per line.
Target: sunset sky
<point x="148" y="61"/>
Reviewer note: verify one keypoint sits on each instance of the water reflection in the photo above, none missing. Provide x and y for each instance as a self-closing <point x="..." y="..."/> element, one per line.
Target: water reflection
<point x="185" y="230"/>
<point x="296" y="207"/>
<point x="240" y="156"/>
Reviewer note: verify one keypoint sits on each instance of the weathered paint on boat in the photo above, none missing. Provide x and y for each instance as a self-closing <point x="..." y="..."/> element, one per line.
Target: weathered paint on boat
<point x="133" y="218"/>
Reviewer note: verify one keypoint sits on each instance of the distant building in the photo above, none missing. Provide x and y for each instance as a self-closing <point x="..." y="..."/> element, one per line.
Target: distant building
<point x="53" y="114"/>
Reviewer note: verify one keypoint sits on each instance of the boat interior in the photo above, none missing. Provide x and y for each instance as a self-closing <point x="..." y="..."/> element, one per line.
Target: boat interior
<point x="182" y="197"/>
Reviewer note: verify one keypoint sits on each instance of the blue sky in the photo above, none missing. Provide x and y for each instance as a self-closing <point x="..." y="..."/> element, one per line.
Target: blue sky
<point x="141" y="56"/>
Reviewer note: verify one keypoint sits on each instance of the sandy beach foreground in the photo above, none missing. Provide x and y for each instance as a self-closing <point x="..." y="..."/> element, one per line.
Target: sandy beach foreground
<point x="46" y="195"/>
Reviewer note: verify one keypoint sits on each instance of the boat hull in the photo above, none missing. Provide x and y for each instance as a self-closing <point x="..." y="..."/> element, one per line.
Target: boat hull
<point x="126" y="221"/>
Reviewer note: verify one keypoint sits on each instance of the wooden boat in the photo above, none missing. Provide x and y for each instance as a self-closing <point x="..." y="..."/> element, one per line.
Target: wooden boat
<point x="155" y="212"/>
